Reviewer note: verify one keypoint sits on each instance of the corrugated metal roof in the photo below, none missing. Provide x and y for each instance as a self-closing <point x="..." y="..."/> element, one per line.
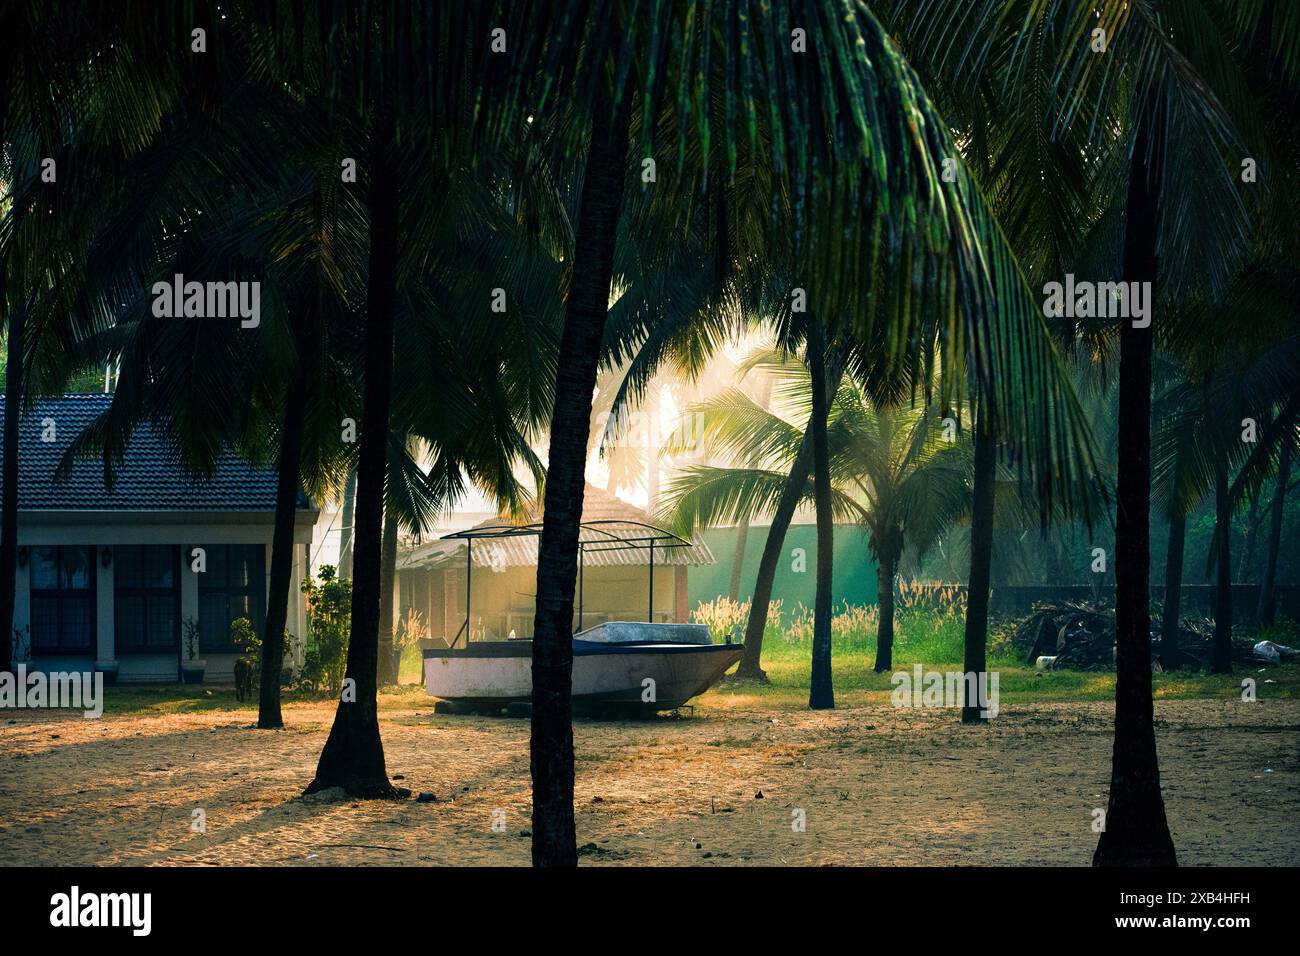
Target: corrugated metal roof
<point x="150" y="477"/>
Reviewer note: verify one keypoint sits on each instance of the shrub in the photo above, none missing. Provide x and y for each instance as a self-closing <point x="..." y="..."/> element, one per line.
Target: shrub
<point x="329" y="610"/>
<point x="724" y="616"/>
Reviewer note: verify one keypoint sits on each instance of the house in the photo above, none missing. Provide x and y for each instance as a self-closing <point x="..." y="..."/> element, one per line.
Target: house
<point x="116" y="579"/>
<point x="616" y="583"/>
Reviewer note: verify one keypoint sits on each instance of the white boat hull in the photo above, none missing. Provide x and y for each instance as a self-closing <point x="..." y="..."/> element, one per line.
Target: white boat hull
<point x="652" y="677"/>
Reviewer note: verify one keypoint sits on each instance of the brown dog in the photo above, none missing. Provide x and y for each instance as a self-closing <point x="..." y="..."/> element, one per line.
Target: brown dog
<point x="243" y="677"/>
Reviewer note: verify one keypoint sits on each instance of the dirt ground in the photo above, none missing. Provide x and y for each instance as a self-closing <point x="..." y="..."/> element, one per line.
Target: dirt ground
<point x="875" y="786"/>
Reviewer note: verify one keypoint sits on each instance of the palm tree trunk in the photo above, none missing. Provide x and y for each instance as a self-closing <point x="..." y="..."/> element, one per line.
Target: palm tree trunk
<point x="1136" y="832"/>
<point x="795" y="485"/>
<point x="821" y="693"/>
<point x="981" y="563"/>
<point x="551" y="746"/>
<point x="1267" y="607"/>
<point x="738" y="559"/>
<point x="9" y="479"/>
<point x="1247" y="556"/>
<point x="1169" y="653"/>
<point x="885" y="627"/>
<point x="353" y="757"/>
<point x="345" y="534"/>
<point x="286" y="510"/>
<point x="387" y="599"/>
<point x="1221" y="658"/>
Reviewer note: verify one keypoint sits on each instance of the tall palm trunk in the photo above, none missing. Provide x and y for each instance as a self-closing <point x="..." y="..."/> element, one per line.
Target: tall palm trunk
<point x="551" y="747"/>
<point x="795" y="485"/>
<point x="885" y="596"/>
<point x="821" y="693"/>
<point x="1221" y="658"/>
<point x="981" y="563"/>
<point x="1136" y="832"/>
<point x="9" y="479"/>
<point x="738" y="559"/>
<point x="286" y="509"/>
<point x="345" y="534"/>
<point x="1267" y="607"/>
<point x="353" y="757"/>
<point x="1169" y="653"/>
<point x="1246" y="559"/>
<point x="387" y="599"/>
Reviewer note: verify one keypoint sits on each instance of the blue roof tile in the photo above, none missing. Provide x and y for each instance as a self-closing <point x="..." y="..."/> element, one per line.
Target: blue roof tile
<point x="150" y="477"/>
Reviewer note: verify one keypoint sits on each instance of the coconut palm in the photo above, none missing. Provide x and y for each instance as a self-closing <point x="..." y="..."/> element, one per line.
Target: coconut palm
<point x="1173" y="84"/>
<point x="844" y="149"/>
<point x="892" y="470"/>
<point x="1233" y="411"/>
<point x="61" y="94"/>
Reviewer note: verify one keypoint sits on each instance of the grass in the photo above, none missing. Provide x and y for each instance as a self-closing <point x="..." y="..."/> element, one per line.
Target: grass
<point x="933" y="639"/>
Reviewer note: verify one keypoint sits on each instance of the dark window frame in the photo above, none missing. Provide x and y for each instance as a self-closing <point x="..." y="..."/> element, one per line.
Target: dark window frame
<point x="255" y="592"/>
<point x="132" y="591"/>
<point x="63" y="596"/>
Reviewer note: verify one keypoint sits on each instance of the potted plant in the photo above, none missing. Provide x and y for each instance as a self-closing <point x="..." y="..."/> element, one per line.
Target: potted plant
<point x="191" y="667"/>
<point x="244" y="637"/>
<point x="22" y="645"/>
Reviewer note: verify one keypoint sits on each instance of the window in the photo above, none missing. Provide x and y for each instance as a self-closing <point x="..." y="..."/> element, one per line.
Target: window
<point x="63" y="600"/>
<point x="147" y="599"/>
<point x="233" y="586"/>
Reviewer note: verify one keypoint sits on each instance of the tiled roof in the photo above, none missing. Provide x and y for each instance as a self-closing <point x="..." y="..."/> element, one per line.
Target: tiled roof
<point x="150" y="477"/>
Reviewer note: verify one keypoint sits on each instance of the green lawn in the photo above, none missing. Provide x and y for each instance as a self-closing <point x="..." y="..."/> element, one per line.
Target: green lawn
<point x="933" y="640"/>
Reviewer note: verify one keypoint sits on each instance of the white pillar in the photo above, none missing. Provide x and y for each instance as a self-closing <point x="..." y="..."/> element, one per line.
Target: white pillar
<point x="297" y="617"/>
<point x="23" y="604"/>
<point x="105" y="622"/>
<point x="189" y="599"/>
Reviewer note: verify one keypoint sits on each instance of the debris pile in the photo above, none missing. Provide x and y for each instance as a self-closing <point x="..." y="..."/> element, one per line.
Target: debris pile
<point x="1081" y="636"/>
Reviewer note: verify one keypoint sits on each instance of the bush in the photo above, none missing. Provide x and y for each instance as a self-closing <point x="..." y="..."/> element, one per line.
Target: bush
<point x="724" y="617"/>
<point x="329" y="611"/>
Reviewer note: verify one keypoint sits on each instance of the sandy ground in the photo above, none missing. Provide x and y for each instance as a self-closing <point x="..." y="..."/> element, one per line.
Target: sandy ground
<point x="875" y="786"/>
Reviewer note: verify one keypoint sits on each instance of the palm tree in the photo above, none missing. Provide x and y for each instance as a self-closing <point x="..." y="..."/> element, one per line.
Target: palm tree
<point x="841" y="96"/>
<point x="236" y="201"/>
<point x="1165" y="74"/>
<point x="58" y="88"/>
<point x="1267" y="606"/>
<point x="983" y="498"/>
<point x="750" y="667"/>
<point x="821" y="693"/>
<point x="1012" y="151"/>
<point x="551" y="747"/>
<point x="353" y="756"/>
<point x="890" y="470"/>
<point x="1199" y="442"/>
<point x="387" y="599"/>
<point x="345" y="532"/>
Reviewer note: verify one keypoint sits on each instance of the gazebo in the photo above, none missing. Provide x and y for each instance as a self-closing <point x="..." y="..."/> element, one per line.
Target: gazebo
<point x="629" y="571"/>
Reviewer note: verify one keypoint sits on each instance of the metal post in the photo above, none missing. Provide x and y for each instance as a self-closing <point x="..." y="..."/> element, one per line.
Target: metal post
<point x="651" y="618"/>
<point x="469" y="573"/>
<point x="580" y="563"/>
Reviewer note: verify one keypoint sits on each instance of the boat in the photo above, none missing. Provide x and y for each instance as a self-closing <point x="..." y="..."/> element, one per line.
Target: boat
<point x="626" y="667"/>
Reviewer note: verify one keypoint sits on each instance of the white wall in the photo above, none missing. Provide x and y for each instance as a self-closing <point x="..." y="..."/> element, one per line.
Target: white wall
<point x="170" y="528"/>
